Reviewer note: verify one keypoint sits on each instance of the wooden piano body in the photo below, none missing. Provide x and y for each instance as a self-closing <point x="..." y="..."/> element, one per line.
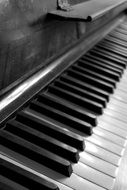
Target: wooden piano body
<point x="36" y="47"/>
<point x="26" y="40"/>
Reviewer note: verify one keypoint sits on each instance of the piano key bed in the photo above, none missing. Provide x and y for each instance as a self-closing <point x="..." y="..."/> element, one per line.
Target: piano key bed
<point x="73" y="134"/>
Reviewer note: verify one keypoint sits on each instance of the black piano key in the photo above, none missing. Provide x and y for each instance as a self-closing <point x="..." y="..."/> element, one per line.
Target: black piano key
<point x="107" y="63"/>
<point x="99" y="68"/>
<point x="62" y="117"/>
<point x="77" y="99"/>
<point x="123" y="26"/>
<point x="112" y="49"/>
<point x="114" y="54"/>
<point x="83" y="85"/>
<point x="119" y="36"/>
<point x="67" y="107"/>
<point x="42" y="140"/>
<point x="108" y="58"/>
<point x="35" y="153"/>
<point x="121" y="31"/>
<point x="83" y="68"/>
<point x="7" y="184"/>
<point x="116" y="41"/>
<point x="81" y="92"/>
<point x="114" y="46"/>
<point x="115" y="58"/>
<point x="20" y="178"/>
<point x="102" y="63"/>
<point x="91" y="80"/>
<point x="52" y="130"/>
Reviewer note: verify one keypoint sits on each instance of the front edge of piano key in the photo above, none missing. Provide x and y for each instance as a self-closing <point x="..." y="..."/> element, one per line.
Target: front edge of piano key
<point x="64" y="183"/>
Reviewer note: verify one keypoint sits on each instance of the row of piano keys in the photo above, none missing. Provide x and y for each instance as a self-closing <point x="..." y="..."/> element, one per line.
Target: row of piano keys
<point x="61" y="140"/>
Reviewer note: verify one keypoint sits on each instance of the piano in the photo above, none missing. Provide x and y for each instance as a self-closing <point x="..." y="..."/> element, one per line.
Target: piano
<point x="63" y="95"/>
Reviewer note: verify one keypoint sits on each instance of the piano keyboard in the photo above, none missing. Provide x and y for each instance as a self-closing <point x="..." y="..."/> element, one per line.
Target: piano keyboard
<point x="72" y="135"/>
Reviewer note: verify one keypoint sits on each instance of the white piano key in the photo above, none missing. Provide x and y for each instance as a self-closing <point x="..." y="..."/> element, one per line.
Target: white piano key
<point x="122" y="82"/>
<point x="118" y="150"/>
<point x="98" y="164"/>
<point x="93" y="175"/>
<point x="109" y="136"/>
<point x="102" y="153"/>
<point x="123" y="78"/>
<point x="120" y="87"/>
<point x="74" y="182"/>
<point x="118" y="103"/>
<point x="114" y="114"/>
<point x="113" y="125"/>
<point x="78" y="183"/>
<point x="120" y="98"/>
<point x="121" y="94"/>
<point x="117" y="108"/>
<point x="60" y="185"/>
